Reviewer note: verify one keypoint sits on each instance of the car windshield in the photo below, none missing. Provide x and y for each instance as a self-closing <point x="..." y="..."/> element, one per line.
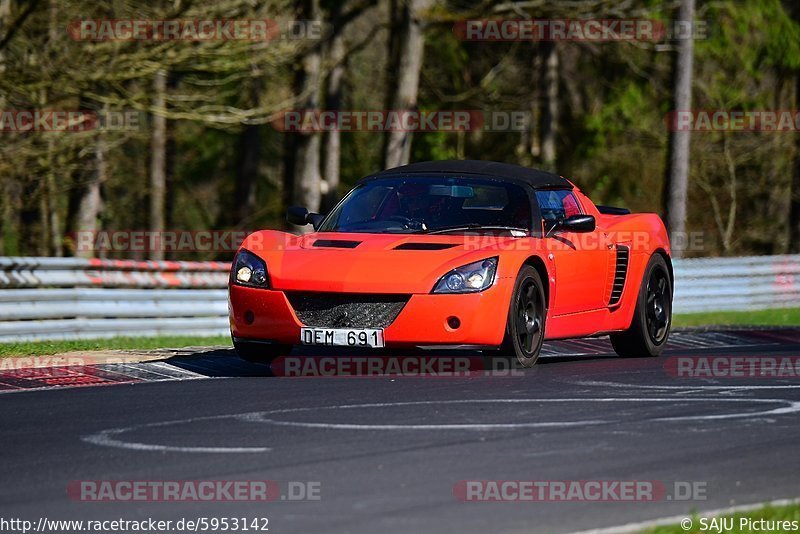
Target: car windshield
<point x="435" y="204"/>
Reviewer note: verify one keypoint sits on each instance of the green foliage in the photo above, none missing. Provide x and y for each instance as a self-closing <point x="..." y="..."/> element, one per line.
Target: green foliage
<point x="46" y="348"/>
<point x="435" y="146"/>
<point x="775" y="317"/>
<point x="612" y="100"/>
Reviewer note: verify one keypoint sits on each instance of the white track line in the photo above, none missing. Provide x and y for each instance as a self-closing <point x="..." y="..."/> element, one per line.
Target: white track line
<point x="465" y="426"/>
<point x="107" y="438"/>
<point x="622" y="385"/>
<point x="104" y="439"/>
<point x="260" y="417"/>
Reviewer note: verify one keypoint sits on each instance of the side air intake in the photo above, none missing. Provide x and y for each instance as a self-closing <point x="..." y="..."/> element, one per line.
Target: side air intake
<point x="620" y="274"/>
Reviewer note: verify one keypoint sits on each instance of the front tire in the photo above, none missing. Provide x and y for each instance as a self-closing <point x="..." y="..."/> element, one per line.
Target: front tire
<point x="260" y="352"/>
<point x="652" y="317"/>
<point x="527" y="314"/>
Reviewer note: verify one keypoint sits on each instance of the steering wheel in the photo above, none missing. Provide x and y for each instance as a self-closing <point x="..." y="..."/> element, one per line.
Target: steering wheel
<point x="411" y="224"/>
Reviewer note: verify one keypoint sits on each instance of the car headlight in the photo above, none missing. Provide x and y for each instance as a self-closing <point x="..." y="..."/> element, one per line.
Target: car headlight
<point x="469" y="278"/>
<point x="249" y="270"/>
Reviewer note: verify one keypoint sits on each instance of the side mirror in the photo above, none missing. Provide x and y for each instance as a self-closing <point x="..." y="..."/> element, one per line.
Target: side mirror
<point x="578" y="224"/>
<point x="300" y="216"/>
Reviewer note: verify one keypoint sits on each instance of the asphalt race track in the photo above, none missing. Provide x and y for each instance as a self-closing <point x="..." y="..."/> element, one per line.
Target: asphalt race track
<point x="390" y="454"/>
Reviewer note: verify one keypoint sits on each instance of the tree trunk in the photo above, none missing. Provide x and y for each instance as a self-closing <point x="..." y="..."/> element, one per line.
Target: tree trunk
<point x="676" y="184"/>
<point x="409" y="40"/>
<point x="5" y="16"/>
<point x="30" y="218"/>
<point x="794" y="188"/>
<point x="529" y="145"/>
<point x="169" y="173"/>
<point x="289" y="156"/>
<point x="794" y="205"/>
<point x="246" y="173"/>
<point x="11" y="201"/>
<point x="333" y="138"/>
<point x="158" y="161"/>
<point x="550" y="107"/>
<point x="51" y="198"/>
<point x="302" y="176"/>
<point x="90" y="202"/>
<point x="85" y="199"/>
<point x="56" y="239"/>
<point x="43" y="243"/>
<point x="237" y="209"/>
<point x="307" y="176"/>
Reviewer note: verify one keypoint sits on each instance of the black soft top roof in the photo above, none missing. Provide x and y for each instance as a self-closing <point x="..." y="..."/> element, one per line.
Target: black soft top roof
<point x="534" y="177"/>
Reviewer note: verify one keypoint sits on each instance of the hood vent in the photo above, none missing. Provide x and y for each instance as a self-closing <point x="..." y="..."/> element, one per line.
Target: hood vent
<point x="336" y="243"/>
<point x="425" y="246"/>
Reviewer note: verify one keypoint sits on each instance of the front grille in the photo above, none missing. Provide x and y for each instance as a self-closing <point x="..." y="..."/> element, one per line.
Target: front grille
<point x="346" y="310"/>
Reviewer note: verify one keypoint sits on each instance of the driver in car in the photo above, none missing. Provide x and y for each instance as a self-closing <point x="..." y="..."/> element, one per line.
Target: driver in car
<point x="414" y="202"/>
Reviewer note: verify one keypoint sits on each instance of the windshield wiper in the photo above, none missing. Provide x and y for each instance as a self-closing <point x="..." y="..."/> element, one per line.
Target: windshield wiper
<point x="473" y="226"/>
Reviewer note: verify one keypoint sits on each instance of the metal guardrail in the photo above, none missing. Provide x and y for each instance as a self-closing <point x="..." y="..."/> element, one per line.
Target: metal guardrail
<point x="78" y="272"/>
<point x="71" y="298"/>
<point x="736" y="284"/>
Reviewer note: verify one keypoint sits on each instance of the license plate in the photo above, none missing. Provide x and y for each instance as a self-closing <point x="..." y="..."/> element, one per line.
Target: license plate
<point x="342" y="337"/>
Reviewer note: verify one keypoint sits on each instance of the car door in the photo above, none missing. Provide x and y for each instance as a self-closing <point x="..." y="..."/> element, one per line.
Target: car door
<point x="580" y="260"/>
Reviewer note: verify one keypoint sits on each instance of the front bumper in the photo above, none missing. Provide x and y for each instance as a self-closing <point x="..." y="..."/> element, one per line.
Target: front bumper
<point x="267" y="315"/>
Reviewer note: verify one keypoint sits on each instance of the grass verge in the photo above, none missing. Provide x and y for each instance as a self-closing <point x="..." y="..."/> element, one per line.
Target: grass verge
<point x="777" y="317"/>
<point x="776" y="520"/>
<point x="44" y="348"/>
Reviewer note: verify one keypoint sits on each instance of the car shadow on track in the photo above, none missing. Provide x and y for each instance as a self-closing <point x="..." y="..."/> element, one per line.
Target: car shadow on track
<point x="316" y="361"/>
<point x="311" y="362"/>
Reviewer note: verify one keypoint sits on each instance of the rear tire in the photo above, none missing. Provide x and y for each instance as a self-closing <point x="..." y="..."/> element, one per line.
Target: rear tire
<point x="652" y="317"/>
<point x="527" y="313"/>
<point x="260" y="352"/>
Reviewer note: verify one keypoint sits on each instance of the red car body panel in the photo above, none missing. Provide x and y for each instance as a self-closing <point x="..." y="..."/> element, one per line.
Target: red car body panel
<point x="579" y="272"/>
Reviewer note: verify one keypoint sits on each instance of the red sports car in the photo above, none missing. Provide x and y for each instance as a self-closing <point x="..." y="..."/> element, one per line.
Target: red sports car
<point x="466" y="254"/>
